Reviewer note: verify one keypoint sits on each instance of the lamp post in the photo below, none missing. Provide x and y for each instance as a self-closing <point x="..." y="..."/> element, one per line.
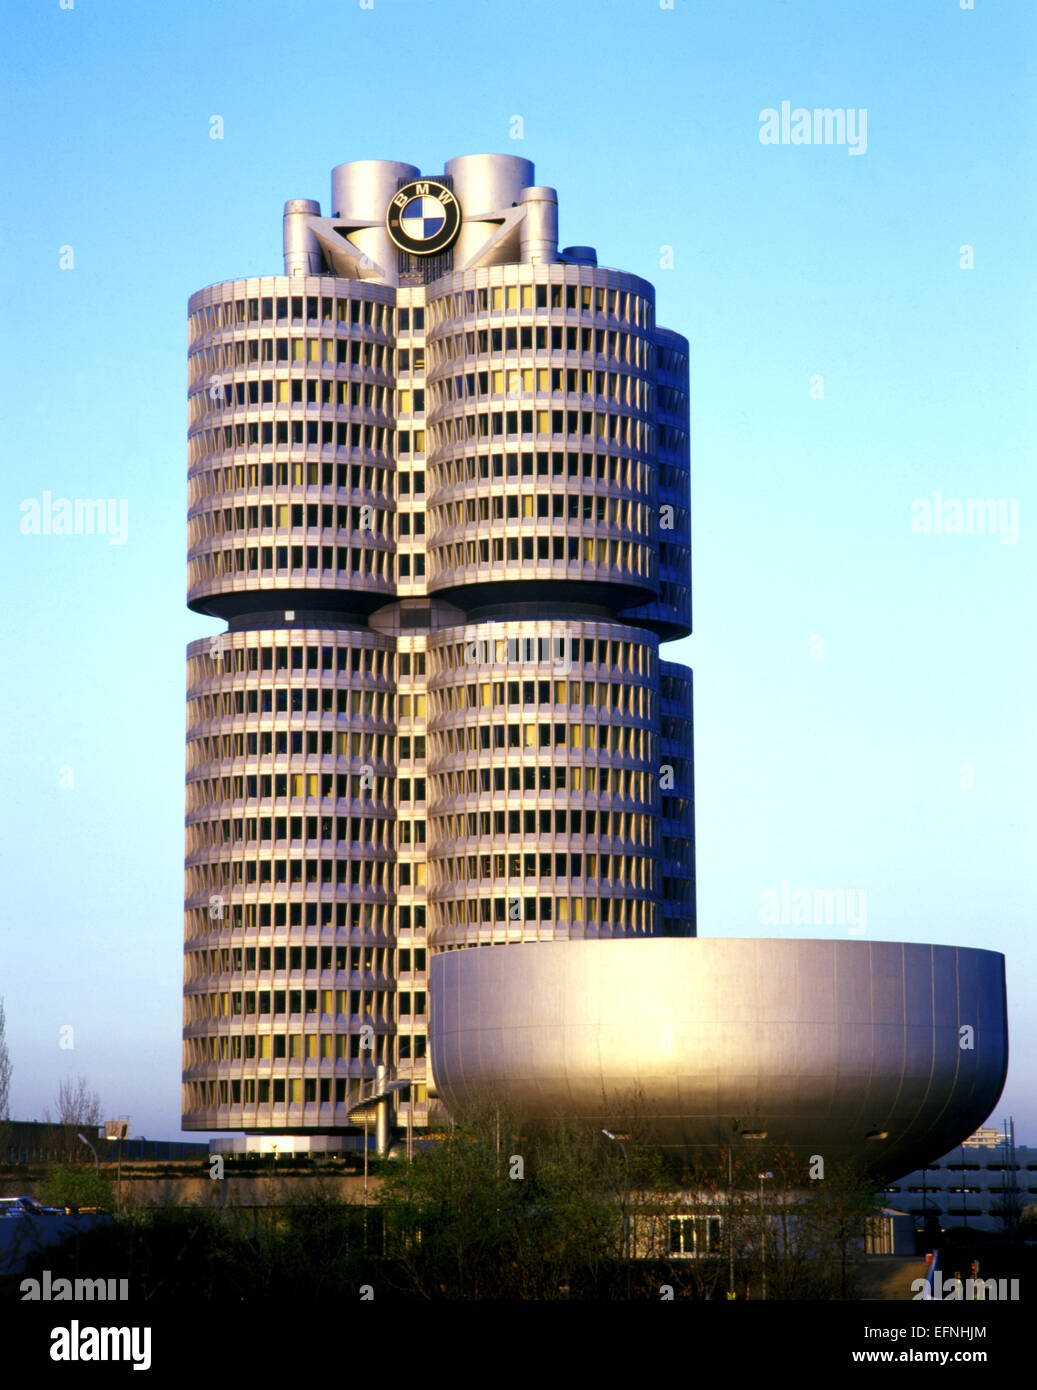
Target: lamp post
<point x="365" y="1184"/>
<point x="763" y="1235"/>
<point x="618" y="1139"/>
<point x="730" y="1227"/>
<point x="116" y="1130"/>
<point x="97" y="1161"/>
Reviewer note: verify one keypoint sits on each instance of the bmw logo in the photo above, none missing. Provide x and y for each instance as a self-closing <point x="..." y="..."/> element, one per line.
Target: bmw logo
<point x="423" y="218"/>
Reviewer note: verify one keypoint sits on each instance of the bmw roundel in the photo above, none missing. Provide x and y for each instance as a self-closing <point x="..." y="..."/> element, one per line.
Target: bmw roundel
<point x="423" y="218"/>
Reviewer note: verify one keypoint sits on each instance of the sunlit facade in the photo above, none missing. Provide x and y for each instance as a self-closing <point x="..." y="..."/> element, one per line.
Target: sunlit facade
<point x="438" y="492"/>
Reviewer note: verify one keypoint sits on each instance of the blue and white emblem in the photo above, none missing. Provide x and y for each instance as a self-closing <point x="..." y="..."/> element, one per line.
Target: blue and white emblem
<point x="424" y="217"/>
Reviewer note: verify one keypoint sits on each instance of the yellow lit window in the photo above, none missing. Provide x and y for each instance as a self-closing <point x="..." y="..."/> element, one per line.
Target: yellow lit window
<point x="498" y="383"/>
<point x="265" y="1045"/>
<point x="295" y="1045"/>
<point x="496" y="297"/>
<point x="511" y="297"/>
<point x="543" y="379"/>
<point x="527" y="296"/>
<point x="298" y="350"/>
<point x="327" y="1040"/>
<point x="295" y="1090"/>
<point x="282" y="392"/>
<point x="404" y="398"/>
<point x="311" y="1045"/>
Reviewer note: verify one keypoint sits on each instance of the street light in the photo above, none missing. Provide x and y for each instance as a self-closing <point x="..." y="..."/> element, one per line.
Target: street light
<point x="763" y="1234"/>
<point x="618" y="1139"/>
<point x="117" y="1130"/>
<point x="97" y="1161"/>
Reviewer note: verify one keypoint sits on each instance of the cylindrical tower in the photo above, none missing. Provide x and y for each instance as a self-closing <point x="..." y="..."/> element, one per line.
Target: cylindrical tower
<point x="443" y="511"/>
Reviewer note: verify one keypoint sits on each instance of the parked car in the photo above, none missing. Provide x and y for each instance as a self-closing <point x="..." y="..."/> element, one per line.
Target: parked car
<point x="27" y="1206"/>
<point x="20" y="1206"/>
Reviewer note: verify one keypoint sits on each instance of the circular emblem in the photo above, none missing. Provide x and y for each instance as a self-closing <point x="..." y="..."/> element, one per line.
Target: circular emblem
<point x="423" y="218"/>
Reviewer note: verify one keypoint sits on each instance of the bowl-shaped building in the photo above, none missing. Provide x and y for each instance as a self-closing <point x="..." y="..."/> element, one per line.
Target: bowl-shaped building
<point x="884" y="1052"/>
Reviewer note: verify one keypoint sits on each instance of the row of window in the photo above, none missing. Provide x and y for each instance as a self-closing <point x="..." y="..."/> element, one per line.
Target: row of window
<point x="294" y="515"/>
<point x="372" y="920"/>
<point x="626" y="431"/>
<point x="370" y="313"/>
<point x="634" y="870"/>
<point x="625" y="387"/>
<point x="619" y="470"/>
<point x="269" y="700"/>
<point x="373" y="786"/>
<point x="625" y="556"/>
<point x="239" y="477"/>
<point x="448" y="351"/>
<point x="283" y="742"/>
<point x="274" y="391"/>
<point x="586" y="299"/>
<point x="199" y="1052"/>
<point x="299" y="656"/>
<point x="626" y="914"/>
<point x="374" y="1006"/>
<point x="211" y="791"/>
<point x="376" y="833"/>
<point x="561" y="653"/>
<point x="621" y="697"/>
<point x="628" y="516"/>
<point x="631" y="743"/>
<point x="208" y="366"/>
<point x="363" y="562"/>
<point x="340" y="830"/>
<point x="374" y="438"/>
<point x="627" y="827"/>
<point x="205" y="1095"/>
<point x="370" y="959"/>
<point x="671" y="361"/>
<point x="211" y="877"/>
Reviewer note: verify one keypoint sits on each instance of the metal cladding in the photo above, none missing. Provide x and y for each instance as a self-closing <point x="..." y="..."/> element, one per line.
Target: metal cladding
<point x="885" y="1052"/>
<point x="438" y="489"/>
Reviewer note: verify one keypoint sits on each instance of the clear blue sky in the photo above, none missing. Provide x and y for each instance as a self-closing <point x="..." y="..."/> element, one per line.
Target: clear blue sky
<point x="899" y="762"/>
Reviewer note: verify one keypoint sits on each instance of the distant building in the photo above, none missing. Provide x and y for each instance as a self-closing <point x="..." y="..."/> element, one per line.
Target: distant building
<point x="968" y="1185"/>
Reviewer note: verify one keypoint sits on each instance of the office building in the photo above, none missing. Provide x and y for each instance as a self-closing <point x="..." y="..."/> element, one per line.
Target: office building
<point x="440" y="835"/>
<point x="439" y="494"/>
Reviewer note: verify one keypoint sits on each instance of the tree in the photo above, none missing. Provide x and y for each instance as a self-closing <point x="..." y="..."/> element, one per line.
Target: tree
<point x="5" y="1067"/>
<point x="5" y="1085"/>
<point x="76" y="1187"/>
<point x="78" y="1108"/>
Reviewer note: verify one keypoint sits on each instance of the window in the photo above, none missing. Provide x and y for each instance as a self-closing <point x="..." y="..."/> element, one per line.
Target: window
<point x="695" y="1236"/>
